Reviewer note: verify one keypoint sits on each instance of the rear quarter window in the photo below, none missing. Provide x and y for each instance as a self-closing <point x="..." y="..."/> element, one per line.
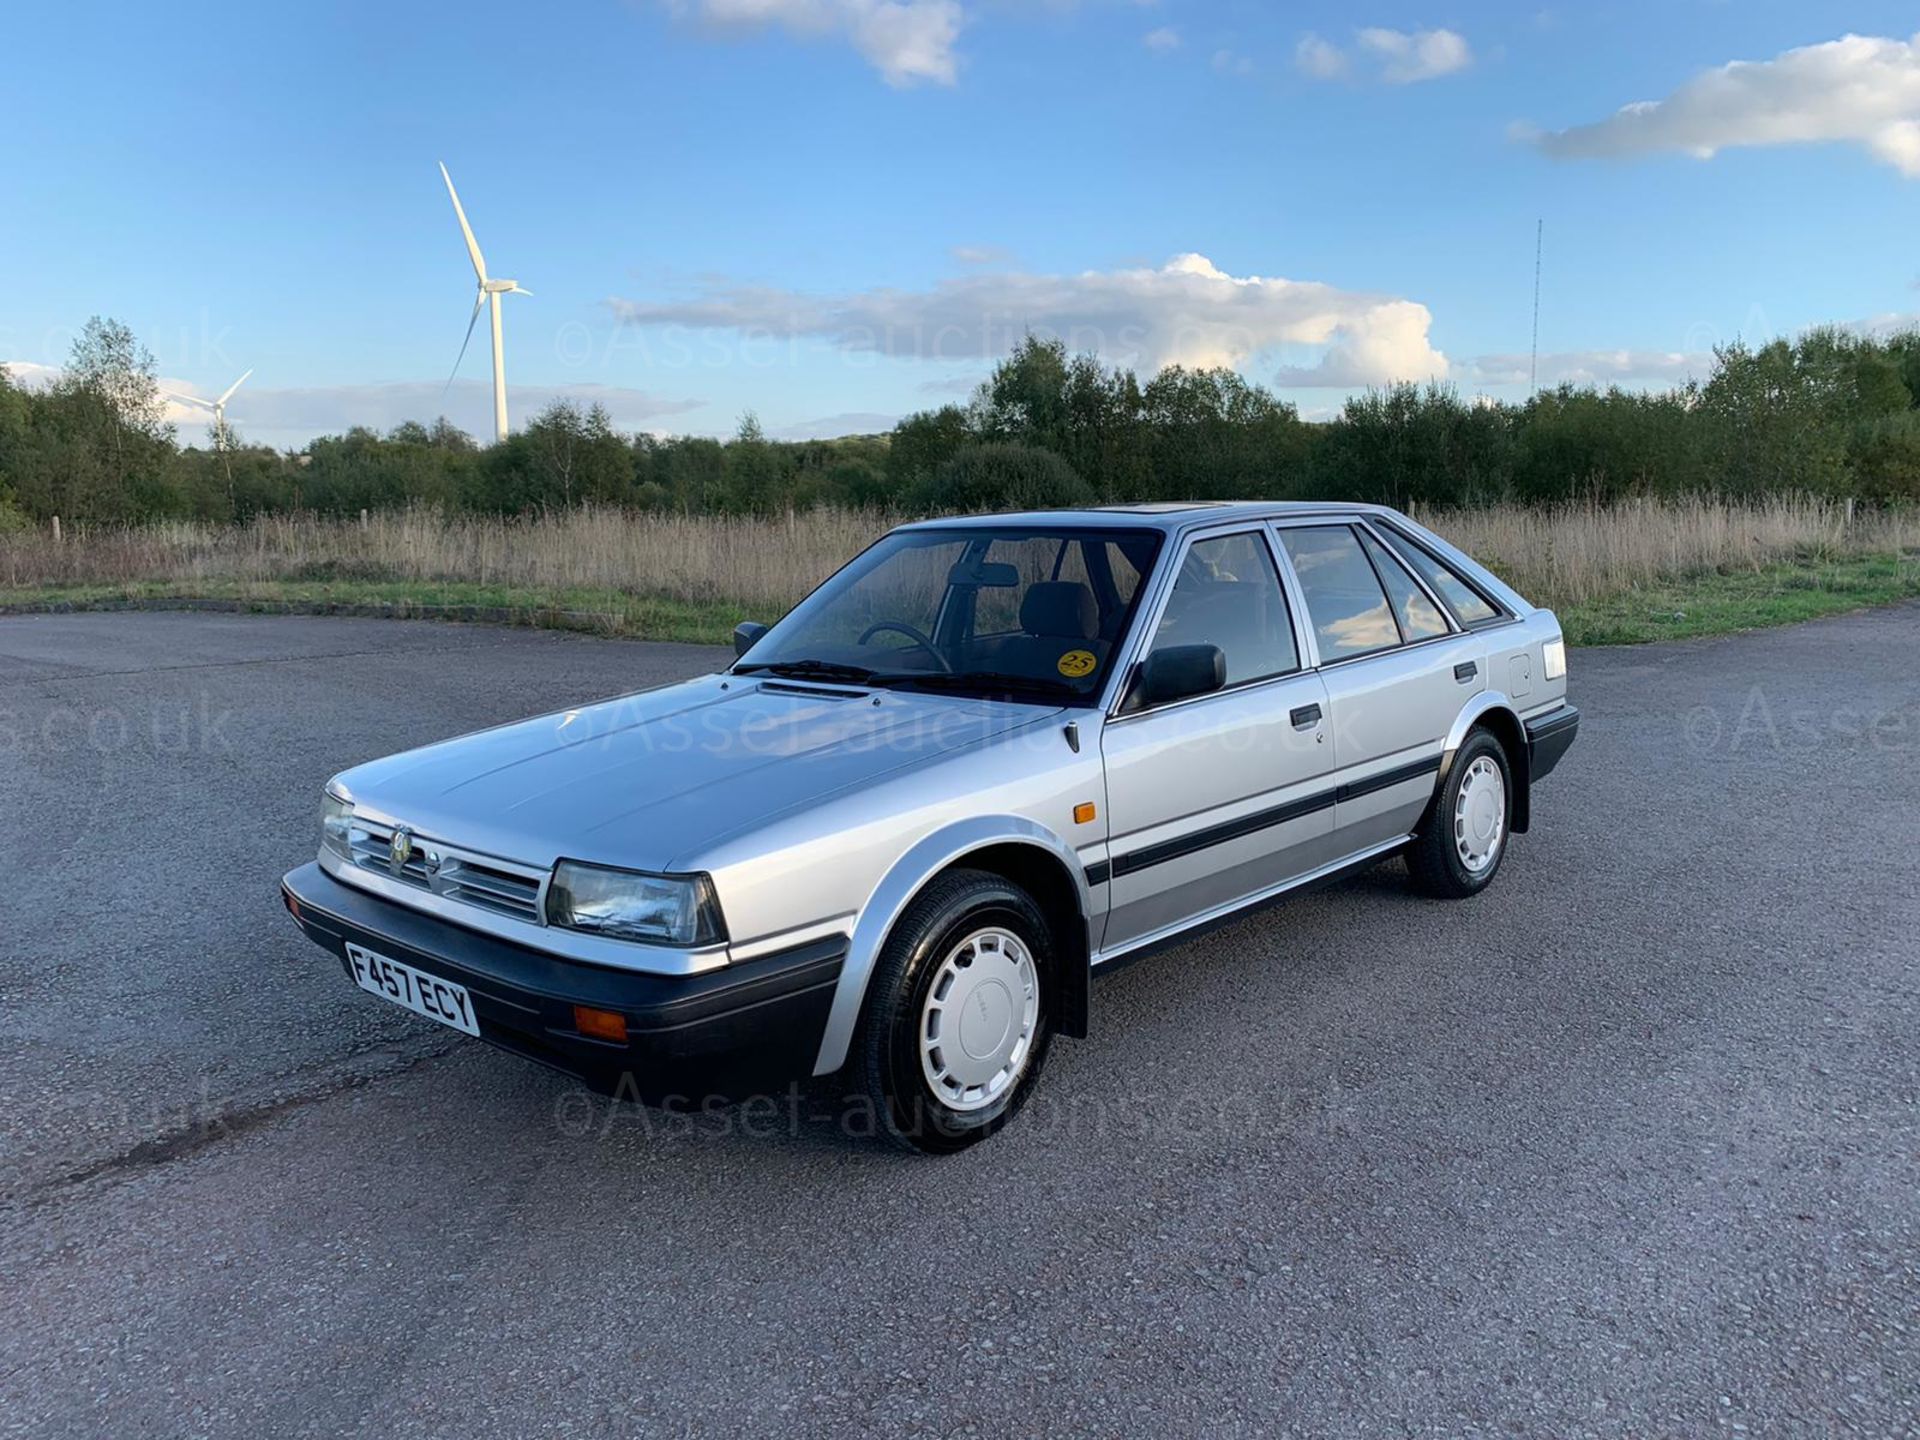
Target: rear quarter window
<point x="1469" y="606"/>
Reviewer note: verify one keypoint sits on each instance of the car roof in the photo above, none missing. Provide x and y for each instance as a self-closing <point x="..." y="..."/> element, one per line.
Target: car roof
<point x="1171" y="516"/>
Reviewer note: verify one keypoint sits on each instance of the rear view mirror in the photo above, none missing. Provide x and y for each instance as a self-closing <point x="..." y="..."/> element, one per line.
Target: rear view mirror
<point x="746" y="635"/>
<point x="1181" y="671"/>
<point x="995" y="575"/>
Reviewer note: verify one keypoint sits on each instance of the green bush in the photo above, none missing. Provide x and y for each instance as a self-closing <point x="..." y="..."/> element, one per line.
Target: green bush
<point x="1003" y="477"/>
<point x="1884" y="457"/>
<point x="12" y="518"/>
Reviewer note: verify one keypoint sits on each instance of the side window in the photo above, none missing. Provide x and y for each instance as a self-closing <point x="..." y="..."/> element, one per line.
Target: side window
<point x="1419" y="617"/>
<point x="1228" y="594"/>
<point x="1469" y="606"/>
<point x="1344" y="599"/>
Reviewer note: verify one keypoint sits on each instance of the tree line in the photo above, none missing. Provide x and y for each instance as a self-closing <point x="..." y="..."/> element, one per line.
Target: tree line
<point x="1832" y="412"/>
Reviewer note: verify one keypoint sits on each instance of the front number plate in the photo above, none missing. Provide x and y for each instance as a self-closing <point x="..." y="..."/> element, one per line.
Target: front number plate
<point x="412" y="989"/>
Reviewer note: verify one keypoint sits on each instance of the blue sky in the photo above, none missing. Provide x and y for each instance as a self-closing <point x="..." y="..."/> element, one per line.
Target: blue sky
<point x="834" y="212"/>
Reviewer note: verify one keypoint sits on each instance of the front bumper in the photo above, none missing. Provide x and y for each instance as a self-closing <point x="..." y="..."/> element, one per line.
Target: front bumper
<point x="742" y="1030"/>
<point x="1548" y="738"/>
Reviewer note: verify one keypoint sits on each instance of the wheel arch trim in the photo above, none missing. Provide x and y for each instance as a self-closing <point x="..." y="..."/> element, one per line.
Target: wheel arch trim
<point x="1495" y="705"/>
<point x="930" y="856"/>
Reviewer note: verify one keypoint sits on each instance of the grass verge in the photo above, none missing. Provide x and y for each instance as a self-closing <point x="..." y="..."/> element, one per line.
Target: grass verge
<point x="1721" y="603"/>
<point x="604" y="612"/>
<point x="1710" y="604"/>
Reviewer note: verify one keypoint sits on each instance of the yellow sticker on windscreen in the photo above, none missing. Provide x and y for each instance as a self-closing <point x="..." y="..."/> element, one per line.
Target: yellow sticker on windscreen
<point x="1076" y="663"/>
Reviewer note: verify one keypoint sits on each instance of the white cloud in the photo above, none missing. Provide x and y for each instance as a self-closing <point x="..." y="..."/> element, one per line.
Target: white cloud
<point x="980" y="254"/>
<point x="329" y="409"/>
<point x="1593" y="367"/>
<point x="832" y="427"/>
<point x="189" y="418"/>
<point x="1225" y="62"/>
<point x="1860" y="89"/>
<point x="1319" y="58"/>
<point x="1887" y="324"/>
<point x="952" y="385"/>
<point x="907" y="41"/>
<point x="28" y="374"/>
<point x="1399" y="57"/>
<point x="1186" y="312"/>
<point x="292" y="416"/>
<point x="1162" y="40"/>
<point x="1409" y="56"/>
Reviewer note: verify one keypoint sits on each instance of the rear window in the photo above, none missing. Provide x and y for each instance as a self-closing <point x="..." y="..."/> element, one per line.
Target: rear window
<point x="1469" y="606"/>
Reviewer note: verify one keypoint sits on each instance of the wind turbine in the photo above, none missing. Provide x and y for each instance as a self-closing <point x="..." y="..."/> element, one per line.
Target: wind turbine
<point x="218" y="408"/>
<point x="222" y="437"/>
<point x="489" y="295"/>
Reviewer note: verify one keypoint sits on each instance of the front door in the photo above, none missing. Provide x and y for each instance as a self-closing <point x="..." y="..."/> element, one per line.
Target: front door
<point x="1218" y="797"/>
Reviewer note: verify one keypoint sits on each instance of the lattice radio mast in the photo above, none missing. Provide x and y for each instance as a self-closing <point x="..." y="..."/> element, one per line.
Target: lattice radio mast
<point x="1533" y="362"/>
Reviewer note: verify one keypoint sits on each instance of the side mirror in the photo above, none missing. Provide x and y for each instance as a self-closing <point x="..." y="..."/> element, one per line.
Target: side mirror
<point x="746" y="635"/>
<point x="1181" y="671"/>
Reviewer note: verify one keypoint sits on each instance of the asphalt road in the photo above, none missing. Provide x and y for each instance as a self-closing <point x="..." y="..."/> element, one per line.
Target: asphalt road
<point x="1626" y="1146"/>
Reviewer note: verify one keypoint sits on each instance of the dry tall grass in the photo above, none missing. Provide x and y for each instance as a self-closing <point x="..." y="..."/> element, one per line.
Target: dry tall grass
<point x="764" y="564"/>
<point x="1555" y="556"/>
<point x="1560" y="555"/>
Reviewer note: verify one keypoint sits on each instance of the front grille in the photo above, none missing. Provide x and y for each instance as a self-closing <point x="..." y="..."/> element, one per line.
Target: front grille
<point x="440" y="869"/>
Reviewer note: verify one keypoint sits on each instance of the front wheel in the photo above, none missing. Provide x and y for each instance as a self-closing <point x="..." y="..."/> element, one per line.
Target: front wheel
<point x="1461" y="843"/>
<point x="956" y="1026"/>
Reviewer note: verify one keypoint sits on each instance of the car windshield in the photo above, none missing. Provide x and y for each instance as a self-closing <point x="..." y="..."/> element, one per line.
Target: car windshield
<point x="1017" y="612"/>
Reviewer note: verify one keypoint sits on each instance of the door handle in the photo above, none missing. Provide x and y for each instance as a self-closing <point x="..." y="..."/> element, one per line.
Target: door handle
<point x="1465" y="671"/>
<point x="1305" y="717"/>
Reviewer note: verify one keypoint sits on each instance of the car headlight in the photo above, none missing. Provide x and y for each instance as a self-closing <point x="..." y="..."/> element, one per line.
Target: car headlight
<point x="630" y="905"/>
<point x="336" y="825"/>
<point x="1553" y="659"/>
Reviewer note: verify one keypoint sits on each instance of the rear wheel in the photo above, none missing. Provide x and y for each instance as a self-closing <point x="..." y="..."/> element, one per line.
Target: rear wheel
<point x="956" y="1026"/>
<point x="1463" y="839"/>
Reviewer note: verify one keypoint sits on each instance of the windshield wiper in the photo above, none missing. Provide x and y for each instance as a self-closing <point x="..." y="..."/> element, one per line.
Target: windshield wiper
<point x="991" y="681"/>
<point x="809" y="670"/>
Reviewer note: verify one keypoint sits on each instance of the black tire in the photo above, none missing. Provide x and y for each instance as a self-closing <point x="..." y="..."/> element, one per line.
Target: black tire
<point x="1433" y="860"/>
<point x="886" y="1050"/>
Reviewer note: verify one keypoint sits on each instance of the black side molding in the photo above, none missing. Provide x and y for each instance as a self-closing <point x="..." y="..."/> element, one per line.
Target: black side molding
<point x="1149" y="855"/>
<point x="1386" y="779"/>
<point x="1101" y="872"/>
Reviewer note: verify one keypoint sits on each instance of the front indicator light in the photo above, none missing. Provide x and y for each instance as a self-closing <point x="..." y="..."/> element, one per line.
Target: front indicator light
<point x="600" y="1024"/>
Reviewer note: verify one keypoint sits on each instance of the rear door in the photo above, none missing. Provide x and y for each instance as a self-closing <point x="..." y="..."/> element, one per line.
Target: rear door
<point x="1217" y="797"/>
<point x="1397" y="668"/>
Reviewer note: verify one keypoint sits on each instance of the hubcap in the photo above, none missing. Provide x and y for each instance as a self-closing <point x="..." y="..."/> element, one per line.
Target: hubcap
<point x="1480" y="815"/>
<point x="976" y="1029"/>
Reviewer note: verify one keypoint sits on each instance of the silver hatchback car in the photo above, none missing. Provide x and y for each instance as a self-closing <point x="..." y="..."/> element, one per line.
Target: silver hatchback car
<point x="988" y="760"/>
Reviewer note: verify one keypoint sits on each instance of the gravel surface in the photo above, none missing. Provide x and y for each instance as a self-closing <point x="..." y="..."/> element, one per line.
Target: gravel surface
<point x="1626" y="1146"/>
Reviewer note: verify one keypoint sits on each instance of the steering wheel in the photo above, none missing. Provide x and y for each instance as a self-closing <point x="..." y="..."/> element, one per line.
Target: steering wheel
<point x="920" y="642"/>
